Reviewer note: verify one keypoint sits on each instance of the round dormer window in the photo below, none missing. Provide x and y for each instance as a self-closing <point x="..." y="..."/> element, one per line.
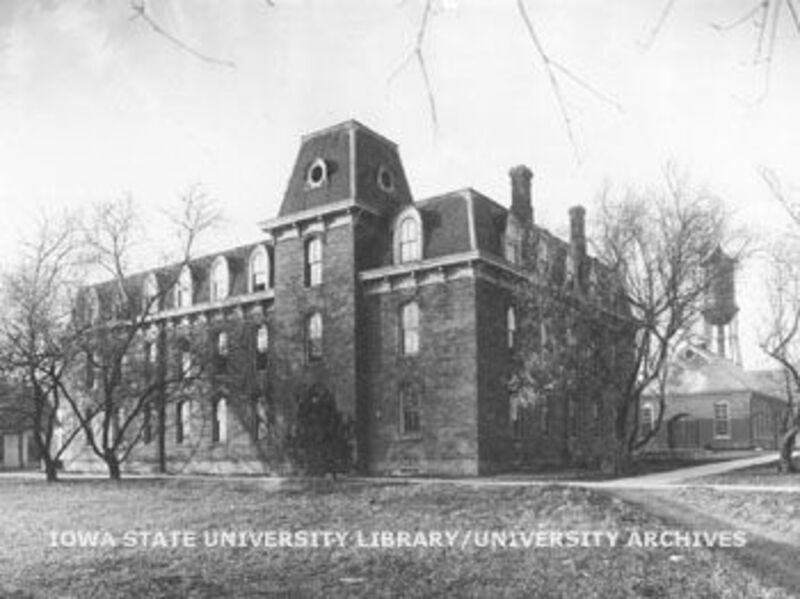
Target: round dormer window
<point x="385" y="179"/>
<point x="317" y="173"/>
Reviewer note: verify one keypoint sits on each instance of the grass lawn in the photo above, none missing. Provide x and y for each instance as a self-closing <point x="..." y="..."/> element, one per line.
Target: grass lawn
<point x="765" y="474"/>
<point x="775" y="515"/>
<point x="31" y="510"/>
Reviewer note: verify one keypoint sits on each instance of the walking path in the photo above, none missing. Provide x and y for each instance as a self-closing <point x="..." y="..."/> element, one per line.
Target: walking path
<point x="671" y="479"/>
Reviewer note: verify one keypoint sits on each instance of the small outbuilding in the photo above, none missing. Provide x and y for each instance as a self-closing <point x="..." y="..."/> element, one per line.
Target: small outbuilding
<point x="712" y="403"/>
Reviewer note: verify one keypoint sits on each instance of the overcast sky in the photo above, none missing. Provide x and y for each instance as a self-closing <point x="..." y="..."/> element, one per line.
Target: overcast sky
<point x="94" y="105"/>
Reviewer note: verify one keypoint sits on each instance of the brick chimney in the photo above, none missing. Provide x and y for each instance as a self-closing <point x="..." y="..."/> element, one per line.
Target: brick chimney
<point x="521" y="205"/>
<point x="577" y="229"/>
<point x="577" y="242"/>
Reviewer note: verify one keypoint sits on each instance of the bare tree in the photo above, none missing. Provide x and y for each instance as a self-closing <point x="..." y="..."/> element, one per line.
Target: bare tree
<point x="38" y="338"/>
<point x="782" y="338"/>
<point x="125" y="387"/>
<point x="655" y="243"/>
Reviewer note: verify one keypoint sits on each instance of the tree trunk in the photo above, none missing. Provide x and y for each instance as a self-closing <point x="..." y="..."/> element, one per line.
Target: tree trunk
<point x="51" y="470"/>
<point x="787" y="447"/>
<point x="114" y="472"/>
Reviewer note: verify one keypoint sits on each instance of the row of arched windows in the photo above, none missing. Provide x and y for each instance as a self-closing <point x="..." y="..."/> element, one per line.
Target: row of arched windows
<point x="183" y="292"/>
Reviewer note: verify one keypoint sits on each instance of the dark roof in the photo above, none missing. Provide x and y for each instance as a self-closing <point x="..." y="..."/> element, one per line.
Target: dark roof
<point x="696" y="371"/>
<point x="771" y="382"/>
<point x="445" y="223"/>
<point x="353" y="155"/>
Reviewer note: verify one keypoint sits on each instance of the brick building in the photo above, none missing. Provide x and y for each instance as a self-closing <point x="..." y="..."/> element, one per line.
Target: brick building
<point x="404" y="310"/>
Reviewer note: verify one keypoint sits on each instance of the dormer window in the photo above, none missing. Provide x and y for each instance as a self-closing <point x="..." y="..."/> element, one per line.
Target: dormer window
<point x="259" y="270"/>
<point x="183" y="292"/>
<point x="512" y="241"/>
<point x="91" y="307"/>
<point x="408" y="236"/>
<point x="150" y="294"/>
<point x="220" y="280"/>
<point x="317" y="174"/>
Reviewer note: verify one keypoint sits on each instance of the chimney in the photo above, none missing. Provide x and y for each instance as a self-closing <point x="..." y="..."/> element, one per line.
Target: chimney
<point x="521" y="205"/>
<point x="577" y="245"/>
<point x="577" y="231"/>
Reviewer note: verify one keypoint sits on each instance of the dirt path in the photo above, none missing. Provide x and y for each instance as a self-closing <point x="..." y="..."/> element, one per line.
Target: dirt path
<point x="777" y="562"/>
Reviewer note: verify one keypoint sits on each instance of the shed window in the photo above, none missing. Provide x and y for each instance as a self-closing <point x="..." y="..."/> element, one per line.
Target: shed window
<point x="647" y="419"/>
<point x="722" y="423"/>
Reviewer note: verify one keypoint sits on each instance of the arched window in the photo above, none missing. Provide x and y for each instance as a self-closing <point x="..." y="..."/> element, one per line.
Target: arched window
<point x="220" y="279"/>
<point x="314" y="336"/>
<point x="409" y="240"/>
<point x="511" y="327"/>
<point x="409" y="329"/>
<point x="408" y="236"/>
<point x="262" y="345"/>
<point x="259" y="270"/>
<point x="313" y="262"/>
<point x="150" y="294"/>
<point x="410" y="416"/>
<point x="219" y="421"/>
<point x="184" y="289"/>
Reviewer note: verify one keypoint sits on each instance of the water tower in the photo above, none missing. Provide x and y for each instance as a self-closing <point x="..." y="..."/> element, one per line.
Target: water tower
<point x="720" y="310"/>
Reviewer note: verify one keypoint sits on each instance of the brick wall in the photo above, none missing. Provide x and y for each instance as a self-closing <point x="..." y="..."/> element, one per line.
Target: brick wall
<point x="443" y="372"/>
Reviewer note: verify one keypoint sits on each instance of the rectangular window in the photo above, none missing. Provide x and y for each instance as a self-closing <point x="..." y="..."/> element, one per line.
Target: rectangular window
<point x="90" y="374"/>
<point x="410" y="412"/>
<point x="221" y="352"/>
<point x="186" y="364"/>
<point x="545" y="419"/>
<point x="647" y="418"/>
<point x="262" y="345"/>
<point x="313" y="270"/>
<point x="722" y="425"/>
<point x="219" y="418"/>
<point x="409" y="329"/>
<point x="518" y="423"/>
<point x="180" y="409"/>
<point x="147" y="431"/>
<point x="572" y="418"/>
<point x="314" y="336"/>
<point x="511" y="328"/>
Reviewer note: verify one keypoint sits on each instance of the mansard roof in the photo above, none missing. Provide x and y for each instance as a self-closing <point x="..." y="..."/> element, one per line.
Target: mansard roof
<point x="354" y="164"/>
